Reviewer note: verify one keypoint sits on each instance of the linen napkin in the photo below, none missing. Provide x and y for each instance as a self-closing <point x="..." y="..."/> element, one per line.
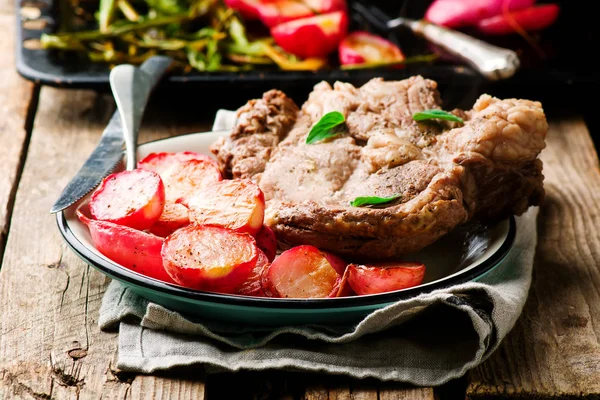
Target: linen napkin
<point x="452" y="331"/>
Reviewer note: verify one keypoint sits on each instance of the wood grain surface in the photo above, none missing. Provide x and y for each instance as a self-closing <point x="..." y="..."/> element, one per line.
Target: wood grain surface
<point x="16" y="95"/>
<point x="50" y="344"/>
<point x="554" y="351"/>
<point x="339" y="388"/>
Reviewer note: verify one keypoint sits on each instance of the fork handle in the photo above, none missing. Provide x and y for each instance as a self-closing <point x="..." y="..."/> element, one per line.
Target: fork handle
<point x="491" y="61"/>
<point x="131" y="87"/>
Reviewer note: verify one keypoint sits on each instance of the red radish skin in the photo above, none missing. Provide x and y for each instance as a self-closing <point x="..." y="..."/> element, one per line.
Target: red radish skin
<point x="338" y="263"/>
<point x="267" y="242"/>
<point x="252" y="286"/>
<point x="363" y="47"/>
<point x="384" y="277"/>
<point x="316" y="36"/>
<point x="344" y="289"/>
<point x="461" y="13"/>
<point x="209" y="258"/>
<point x="234" y="204"/>
<point x="135" y="250"/>
<point x="530" y="19"/>
<point x="130" y="198"/>
<point x="173" y="217"/>
<point x="162" y="161"/>
<point x="301" y="272"/>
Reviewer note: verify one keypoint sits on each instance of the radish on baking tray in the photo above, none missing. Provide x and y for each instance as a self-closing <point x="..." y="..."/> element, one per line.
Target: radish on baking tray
<point x="362" y="47"/>
<point x="209" y="234"/>
<point x="493" y="17"/>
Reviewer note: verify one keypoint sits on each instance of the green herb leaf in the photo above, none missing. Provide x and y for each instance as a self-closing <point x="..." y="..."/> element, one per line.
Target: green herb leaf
<point x="436" y="114"/>
<point x="372" y="200"/>
<point x="325" y="127"/>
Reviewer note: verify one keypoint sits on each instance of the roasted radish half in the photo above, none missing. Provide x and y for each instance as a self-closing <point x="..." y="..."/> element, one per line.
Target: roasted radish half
<point x="272" y="14"/>
<point x="248" y="9"/>
<point x="183" y="173"/>
<point x="185" y="178"/>
<point x="173" y="217"/>
<point x="135" y="250"/>
<point x="234" y="204"/>
<point x="277" y="12"/>
<point x="252" y="286"/>
<point x="529" y="19"/>
<point x="384" y="277"/>
<point x="316" y="36"/>
<point x="131" y="198"/>
<point x="366" y="48"/>
<point x="209" y="258"/>
<point x="301" y="272"/>
<point x="162" y="161"/>
<point x="336" y="262"/>
<point x="461" y="13"/>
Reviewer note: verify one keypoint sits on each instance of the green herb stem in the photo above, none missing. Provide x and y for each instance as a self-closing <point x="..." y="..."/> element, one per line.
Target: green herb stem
<point x="105" y="14"/>
<point x="128" y="11"/>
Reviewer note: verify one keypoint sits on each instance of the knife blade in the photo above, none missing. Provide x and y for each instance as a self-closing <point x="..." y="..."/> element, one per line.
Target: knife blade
<point x="109" y="151"/>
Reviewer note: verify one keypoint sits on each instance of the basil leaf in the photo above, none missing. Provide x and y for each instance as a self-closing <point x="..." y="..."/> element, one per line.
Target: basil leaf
<point x="372" y="200"/>
<point x="436" y="114"/>
<point x="325" y="127"/>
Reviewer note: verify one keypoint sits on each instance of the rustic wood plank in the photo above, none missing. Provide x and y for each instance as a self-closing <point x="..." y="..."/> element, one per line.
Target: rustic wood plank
<point x="360" y="391"/>
<point x="158" y="387"/>
<point x="553" y="351"/>
<point x="15" y="97"/>
<point x="50" y="344"/>
<point x="406" y="394"/>
<point x="328" y="388"/>
<point x="364" y="394"/>
<point x="316" y="392"/>
<point x="340" y="393"/>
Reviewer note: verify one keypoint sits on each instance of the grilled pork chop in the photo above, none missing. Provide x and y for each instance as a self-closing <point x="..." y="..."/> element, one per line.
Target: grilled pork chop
<point x="446" y="173"/>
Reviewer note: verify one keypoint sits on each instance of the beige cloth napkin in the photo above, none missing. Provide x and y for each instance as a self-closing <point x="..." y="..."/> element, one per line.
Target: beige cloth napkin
<point x="454" y="329"/>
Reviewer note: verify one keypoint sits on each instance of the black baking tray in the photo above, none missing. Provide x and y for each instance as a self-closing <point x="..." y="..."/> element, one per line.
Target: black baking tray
<point x="562" y="62"/>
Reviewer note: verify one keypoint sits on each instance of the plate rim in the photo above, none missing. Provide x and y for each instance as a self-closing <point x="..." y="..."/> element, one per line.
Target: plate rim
<point x="116" y="271"/>
<point x="121" y="273"/>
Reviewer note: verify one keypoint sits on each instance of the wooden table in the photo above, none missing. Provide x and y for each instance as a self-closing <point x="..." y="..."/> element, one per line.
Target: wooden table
<point x="50" y="344"/>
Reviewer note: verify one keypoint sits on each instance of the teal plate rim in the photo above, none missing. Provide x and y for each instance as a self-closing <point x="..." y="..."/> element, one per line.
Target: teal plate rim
<point x="121" y="273"/>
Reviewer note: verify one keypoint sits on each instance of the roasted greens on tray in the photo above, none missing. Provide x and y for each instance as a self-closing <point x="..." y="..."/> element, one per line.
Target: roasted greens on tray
<point x="212" y="35"/>
<point x="239" y="35"/>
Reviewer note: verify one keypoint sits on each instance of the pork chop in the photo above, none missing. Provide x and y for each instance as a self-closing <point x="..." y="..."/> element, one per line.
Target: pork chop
<point x="445" y="173"/>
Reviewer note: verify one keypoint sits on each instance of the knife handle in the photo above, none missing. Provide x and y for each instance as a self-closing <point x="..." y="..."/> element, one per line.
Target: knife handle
<point x="491" y="61"/>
